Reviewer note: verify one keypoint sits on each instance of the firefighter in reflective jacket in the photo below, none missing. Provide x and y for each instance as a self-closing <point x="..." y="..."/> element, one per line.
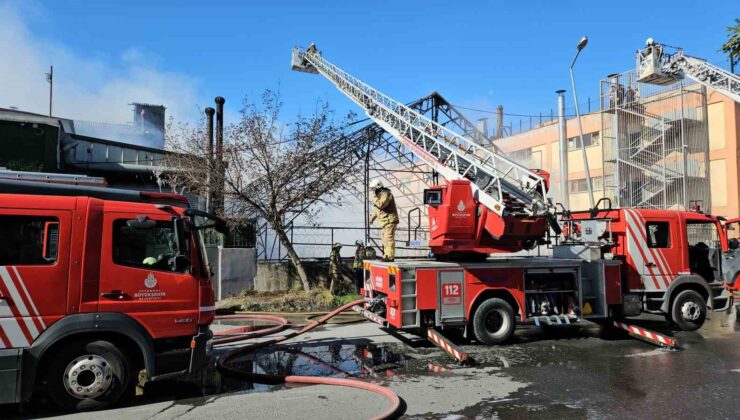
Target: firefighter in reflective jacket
<point x="385" y="210"/>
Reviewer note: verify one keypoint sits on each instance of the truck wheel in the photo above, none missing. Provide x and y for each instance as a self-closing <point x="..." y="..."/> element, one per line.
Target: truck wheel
<point x="89" y="376"/>
<point x="493" y="322"/>
<point x="689" y="310"/>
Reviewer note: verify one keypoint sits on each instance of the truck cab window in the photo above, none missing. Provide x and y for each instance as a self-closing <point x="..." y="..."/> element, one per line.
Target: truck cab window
<point x="29" y="240"/>
<point x="658" y="234"/>
<point x="704" y="250"/>
<point x="149" y="247"/>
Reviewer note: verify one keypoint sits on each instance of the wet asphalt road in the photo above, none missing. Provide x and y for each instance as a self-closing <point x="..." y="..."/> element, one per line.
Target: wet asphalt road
<point x="582" y="372"/>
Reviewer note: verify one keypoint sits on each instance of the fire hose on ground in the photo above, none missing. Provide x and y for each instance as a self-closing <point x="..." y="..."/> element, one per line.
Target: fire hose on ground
<point x="252" y="332"/>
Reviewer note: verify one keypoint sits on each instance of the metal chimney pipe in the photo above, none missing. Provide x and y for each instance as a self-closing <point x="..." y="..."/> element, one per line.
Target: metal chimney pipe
<point x="209" y="157"/>
<point x="499" y="121"/>
<point x="220" y="128"/>
<point x="563" y="142"/>
<point x="218" y="202"/>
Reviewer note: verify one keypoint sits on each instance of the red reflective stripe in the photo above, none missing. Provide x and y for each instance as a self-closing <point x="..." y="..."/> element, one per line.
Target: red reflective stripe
<point x="657" y="254"/>
<point x="30" y="307"/>
<point x="639" y="221"/>
<point x="17" y="316"/>
<point x="4" y="338"/>
<point x="644" y="258"/>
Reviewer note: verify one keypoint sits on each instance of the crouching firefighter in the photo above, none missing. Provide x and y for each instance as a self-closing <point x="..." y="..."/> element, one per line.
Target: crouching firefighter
<point x="385" y="210"/>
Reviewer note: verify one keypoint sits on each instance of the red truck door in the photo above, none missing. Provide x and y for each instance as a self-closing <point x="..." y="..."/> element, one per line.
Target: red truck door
<point x="654" y="246"/>
<point x="34" y="267"/>
<point x="138" y="279"/>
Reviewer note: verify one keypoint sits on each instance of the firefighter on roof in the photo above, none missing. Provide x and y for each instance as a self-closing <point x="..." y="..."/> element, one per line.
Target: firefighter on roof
<point x="385" y="210"/>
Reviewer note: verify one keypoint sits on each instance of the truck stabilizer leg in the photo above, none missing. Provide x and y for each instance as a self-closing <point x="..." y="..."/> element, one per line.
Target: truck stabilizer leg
<point x="440" y="341"/>
<point x="651" y="337"/>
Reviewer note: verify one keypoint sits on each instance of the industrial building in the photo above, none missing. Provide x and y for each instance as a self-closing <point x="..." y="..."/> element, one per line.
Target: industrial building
<point x="126" y="155"/>
<point x="659" y="147"/>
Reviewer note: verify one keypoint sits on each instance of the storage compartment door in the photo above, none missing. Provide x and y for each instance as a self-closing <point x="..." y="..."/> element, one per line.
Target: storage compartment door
<point x="451" y="296"/>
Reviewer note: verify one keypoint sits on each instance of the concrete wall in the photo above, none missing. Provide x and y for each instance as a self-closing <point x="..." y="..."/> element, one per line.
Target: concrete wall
<point x="281" y="276"/>
<point x="234" y="270"/>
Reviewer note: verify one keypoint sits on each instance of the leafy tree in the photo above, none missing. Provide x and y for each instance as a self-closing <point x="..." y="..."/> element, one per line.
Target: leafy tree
<point x="271" y="170"/>
<point x="732" y="46"/>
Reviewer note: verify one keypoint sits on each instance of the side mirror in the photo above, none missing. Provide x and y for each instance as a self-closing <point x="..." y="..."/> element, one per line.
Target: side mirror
<point x="51" y="241"/>
<point x="181" y="260"/>
<point x="733" y="243"/>
<point x="181" y="236"/>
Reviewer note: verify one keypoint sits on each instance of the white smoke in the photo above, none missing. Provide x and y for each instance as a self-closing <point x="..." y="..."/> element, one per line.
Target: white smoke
<point x="85" y="86"/>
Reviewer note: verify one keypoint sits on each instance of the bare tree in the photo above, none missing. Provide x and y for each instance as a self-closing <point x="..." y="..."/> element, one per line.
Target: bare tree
<point x="274" y="171"/>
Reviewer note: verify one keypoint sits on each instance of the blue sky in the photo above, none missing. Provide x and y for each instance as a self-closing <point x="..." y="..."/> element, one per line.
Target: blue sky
<point x="477" y="54"/>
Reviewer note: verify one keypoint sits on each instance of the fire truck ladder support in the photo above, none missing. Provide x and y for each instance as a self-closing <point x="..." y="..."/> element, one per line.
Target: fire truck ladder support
<point x="432" y="335"/>
<point x="649" y="336"/>
<point x="498" y="183"/>
<point x="449" y="347"/>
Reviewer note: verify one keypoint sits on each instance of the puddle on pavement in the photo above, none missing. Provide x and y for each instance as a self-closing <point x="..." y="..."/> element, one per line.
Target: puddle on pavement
<point x="333" y="360"/>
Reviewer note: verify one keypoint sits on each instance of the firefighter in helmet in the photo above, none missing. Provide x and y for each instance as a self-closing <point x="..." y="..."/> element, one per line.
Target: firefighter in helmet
<point x="357" y="264"/>
<point x="385" y="210"/>
<point x="335" y="264"/>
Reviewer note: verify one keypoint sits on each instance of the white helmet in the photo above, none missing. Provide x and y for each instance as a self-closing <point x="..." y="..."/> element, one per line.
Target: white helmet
<point x="337" y="245"/>
<point x="359" y="242"/>
<point x="376" y="184"/>
<point x="650" y="41"/>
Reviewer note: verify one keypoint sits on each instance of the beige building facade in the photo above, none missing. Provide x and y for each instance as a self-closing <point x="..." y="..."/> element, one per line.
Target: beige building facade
<point x="540" y="148"/>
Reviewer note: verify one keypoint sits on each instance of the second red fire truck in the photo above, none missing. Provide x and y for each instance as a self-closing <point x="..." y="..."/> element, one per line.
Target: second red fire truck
<point x="97" y="284"/>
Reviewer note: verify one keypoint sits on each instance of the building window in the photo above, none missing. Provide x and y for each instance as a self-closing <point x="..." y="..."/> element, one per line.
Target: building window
<point x="658" y="234"/>
<point x="29" y="240"/>
<point x="523" y="155"/>
<point x="580" y="186"/>
<point x="150" y="247"/>
<point x="590" y="139"/>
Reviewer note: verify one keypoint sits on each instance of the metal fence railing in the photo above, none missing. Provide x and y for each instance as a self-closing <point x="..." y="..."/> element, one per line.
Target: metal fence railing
<point x="315" y="242"/>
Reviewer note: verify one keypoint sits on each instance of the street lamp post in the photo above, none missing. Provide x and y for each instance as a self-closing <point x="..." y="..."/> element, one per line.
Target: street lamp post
<point x="581" y="45"/>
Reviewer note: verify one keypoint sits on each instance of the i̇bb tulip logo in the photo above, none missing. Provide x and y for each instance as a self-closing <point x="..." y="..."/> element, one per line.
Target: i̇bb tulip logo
<point x="461" y="210"/>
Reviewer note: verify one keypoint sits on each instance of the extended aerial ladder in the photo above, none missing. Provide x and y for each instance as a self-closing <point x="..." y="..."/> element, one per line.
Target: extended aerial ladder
<point x="513" y="193"/>
<point x="656" y="66"/>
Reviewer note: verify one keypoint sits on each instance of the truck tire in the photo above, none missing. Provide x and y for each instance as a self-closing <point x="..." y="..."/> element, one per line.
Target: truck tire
<point x="689" y="310"/>
<point x="90" y="375"/>
<point x="493" y="322"/>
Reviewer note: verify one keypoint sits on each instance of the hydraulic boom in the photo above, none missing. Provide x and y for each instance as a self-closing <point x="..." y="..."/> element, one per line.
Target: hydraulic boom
<point x="499" y="183"/>
<point x="490" y="203"/>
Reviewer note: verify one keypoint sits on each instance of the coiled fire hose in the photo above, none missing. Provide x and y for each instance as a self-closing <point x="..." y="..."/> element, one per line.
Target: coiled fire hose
<point x="251" y="332"/>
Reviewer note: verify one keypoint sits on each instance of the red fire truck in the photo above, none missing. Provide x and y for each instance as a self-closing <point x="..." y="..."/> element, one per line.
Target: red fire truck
<point x="97" y="284"/>
<point x="611" y="263"/>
